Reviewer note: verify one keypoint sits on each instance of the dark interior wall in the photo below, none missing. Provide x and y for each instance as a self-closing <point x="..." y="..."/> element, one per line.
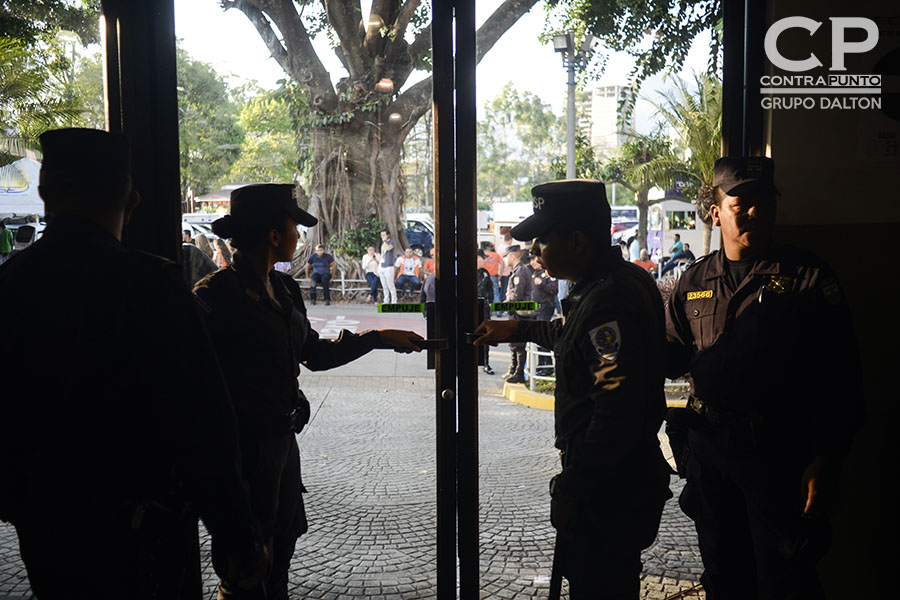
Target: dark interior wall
<point x="837" y="171"/>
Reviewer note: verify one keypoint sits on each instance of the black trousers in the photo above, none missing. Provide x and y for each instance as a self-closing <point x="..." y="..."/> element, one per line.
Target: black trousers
<point x="325" y="280"/>
<point x="272" y="469"/>
<point x="747" y="508"/>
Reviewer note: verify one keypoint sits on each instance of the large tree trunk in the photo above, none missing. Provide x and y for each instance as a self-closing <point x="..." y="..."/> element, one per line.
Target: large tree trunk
<point x="356" y="175"/>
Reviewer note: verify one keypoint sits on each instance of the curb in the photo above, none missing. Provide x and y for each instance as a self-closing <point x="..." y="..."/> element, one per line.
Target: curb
<point x="520" y="394"/>
<point x="517" y="392"/>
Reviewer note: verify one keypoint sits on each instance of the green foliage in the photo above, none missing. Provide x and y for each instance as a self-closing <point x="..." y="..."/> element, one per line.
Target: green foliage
<point x="88" y="92"/>
<point x="31" y="102"/>
<point x="670" y="27"/>
<point x="267" y="153"/>
<point x="36" y="22"/>
<point x="644" y="161"/>
<point x="208" y="130"/>
<point x="516" y="140"/>
<point x="587" y="165"/>
<point x="354" y="242"/>
<point x="696" y="115"/>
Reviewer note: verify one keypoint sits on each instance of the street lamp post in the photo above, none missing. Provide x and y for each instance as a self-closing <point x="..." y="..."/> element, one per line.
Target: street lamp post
<point x="564" y="43"/>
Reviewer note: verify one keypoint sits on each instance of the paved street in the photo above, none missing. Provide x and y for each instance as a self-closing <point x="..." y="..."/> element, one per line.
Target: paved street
<point x="368" y="462"/>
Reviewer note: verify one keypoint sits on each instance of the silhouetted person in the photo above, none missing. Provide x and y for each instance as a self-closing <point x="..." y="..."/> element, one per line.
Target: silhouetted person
<point x="765" y="333"/>
<point x="610" y="356"/>
<point x="195" y="265"/>
<point x="115" y="425"/>
<point x="257" y="318"/>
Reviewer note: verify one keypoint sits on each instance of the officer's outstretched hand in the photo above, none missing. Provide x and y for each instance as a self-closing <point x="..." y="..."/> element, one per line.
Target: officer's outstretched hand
<point x="815" y="484"/>
<point x="399" y="340"/>
<point x="496" y="331"/>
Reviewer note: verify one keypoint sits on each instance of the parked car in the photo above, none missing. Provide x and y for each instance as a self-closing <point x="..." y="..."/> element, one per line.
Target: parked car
<point x="25" y="234"/>
<point x="420" y="235"/>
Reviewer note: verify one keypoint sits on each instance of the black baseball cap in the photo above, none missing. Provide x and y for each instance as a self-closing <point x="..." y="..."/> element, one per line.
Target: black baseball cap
<point x="743" y="174"/>
<point x="91" y="154"/>
<point x="577" y="201"/>
<point x="510" y="249"/>
<point x="251" y="201"/>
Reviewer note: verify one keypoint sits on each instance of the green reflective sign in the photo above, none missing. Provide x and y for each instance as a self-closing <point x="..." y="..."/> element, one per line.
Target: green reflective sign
<point x="402" y="308"/>
<point x="513" y="306"/>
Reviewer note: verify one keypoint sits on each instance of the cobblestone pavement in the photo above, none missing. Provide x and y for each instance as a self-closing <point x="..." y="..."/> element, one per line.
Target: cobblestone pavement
<point x="368" y="462"/>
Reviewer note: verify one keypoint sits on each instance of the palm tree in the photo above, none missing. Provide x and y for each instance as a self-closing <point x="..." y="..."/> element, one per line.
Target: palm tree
<point x="642" y="163"/>
<point x="696" y="115"/>
<point x="30" y="104"/>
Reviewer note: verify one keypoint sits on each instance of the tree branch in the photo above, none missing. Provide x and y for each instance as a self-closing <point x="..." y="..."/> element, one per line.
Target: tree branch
<point x="498" y="23"/>
<point x="342" y="14"/>
<point x="259" y="21"/>
<point x="303" y="64"/>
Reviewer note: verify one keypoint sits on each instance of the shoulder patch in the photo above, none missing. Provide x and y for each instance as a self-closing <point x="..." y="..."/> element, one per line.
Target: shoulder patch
<point x="607" y="340"/>
<point x="516" y="280"/>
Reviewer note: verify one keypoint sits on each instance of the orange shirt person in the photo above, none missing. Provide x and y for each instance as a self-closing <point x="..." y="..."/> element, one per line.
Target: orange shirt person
<point x="645" y="262"/>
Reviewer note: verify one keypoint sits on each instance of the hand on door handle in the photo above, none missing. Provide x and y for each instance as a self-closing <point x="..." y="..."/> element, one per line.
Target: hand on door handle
<point x="493" y="332"/>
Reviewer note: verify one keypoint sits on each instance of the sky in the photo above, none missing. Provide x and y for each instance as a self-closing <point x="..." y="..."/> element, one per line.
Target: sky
<point x="228" y="41"/>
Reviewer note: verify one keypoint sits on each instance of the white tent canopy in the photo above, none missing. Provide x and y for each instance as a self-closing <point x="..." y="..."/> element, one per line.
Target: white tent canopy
<point x="18" y="199"/>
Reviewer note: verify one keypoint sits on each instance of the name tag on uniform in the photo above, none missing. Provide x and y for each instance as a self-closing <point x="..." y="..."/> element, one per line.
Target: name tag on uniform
<point x="700" y="294"/>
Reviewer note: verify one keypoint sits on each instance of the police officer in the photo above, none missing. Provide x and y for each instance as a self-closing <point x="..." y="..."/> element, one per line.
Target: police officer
<point x="610" y="355"/>
<point x="518" y="289"/>
<point x="115" y="423"/>
<point x="760" y="328"/>
<point x="258" y="322"/>
<point x="543" y="290"/>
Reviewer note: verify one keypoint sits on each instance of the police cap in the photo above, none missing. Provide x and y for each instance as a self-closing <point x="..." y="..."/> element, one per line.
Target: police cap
<point x="740" y="175"/>
<point x="570" y="201"/>
<point x="510" y="249"/>
<point x="262" y="199"/>
<point x="94" y="155"/>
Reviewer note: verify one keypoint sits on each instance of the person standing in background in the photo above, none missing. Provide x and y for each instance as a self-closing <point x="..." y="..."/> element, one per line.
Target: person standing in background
<point x="6" y="242"/>
<point x="370" y="262"/>
<point x="386" y="271"/>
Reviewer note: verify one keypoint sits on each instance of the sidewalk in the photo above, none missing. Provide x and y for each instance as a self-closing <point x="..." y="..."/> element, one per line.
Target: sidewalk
<point x="368" y="462"/>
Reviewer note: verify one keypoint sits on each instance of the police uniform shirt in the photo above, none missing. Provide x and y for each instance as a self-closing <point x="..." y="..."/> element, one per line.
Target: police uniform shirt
<point x="262" y="340"/>
<point x="777" y="346"/>
<point x="544" y="287"/>
<point x="610" y="356"/>
<point x="117" y="396"/>
<point x="519" y="287"/>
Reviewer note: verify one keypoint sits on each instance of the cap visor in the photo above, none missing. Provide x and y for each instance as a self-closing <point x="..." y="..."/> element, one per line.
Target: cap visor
<point x="302" y="217"/>
<point x="751" y="185"/>
<point x="532" y="227"/>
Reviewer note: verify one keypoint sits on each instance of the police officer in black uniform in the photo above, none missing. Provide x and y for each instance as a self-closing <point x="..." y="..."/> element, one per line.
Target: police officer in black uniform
<point x="518" y="289"/>
<point x="258" y="322"/>
<point x="761" y="329"/>
<point x="610" y="355"/>
<point x="543" y="291"/>
<point x="115" y="425"/>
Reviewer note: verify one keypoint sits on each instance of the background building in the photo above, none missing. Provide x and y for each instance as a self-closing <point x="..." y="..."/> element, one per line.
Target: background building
<point x="598" y="117"/>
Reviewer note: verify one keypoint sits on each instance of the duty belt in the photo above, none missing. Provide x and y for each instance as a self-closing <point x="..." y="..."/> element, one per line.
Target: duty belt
<point x="721" y="417"/>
